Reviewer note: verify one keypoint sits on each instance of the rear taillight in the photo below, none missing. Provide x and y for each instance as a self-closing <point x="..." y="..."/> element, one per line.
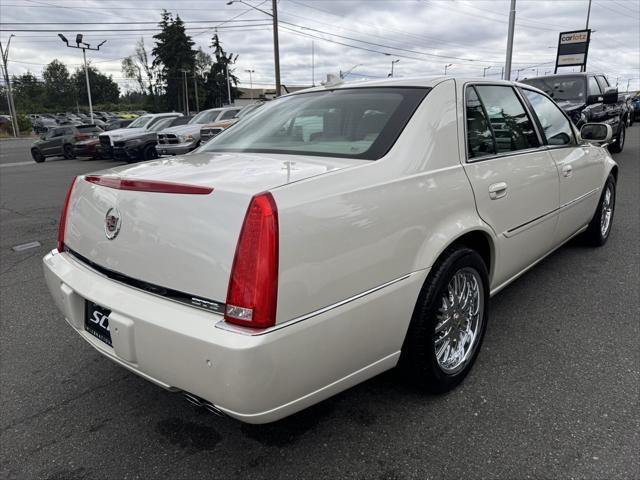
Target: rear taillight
<point x="63" y="217"/>
<point x="253" y="286"/>
<point x="156" y="186"/>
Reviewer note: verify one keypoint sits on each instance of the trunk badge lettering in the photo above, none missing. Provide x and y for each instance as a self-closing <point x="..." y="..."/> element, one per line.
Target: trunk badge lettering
<point x="112" y="223"/>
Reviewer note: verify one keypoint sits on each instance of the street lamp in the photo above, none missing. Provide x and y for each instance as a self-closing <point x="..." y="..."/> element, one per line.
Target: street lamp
<point x="393" y="62"/>
<point x="484" y="70"/>
<point x="12" y="108"/>
<point x="446" y="67"/>
<point x="85" y="46"/>
<point x="276" y="44"/>
<point x="249" y="71"/>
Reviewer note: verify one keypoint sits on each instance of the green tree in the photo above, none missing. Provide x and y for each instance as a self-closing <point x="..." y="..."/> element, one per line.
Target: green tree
<point x="103" y="88"/>
<point x="28" y="92"/>
<point x="58" y="86"/>
<point x="216" y="85"/>
<point x="173" y="54"/>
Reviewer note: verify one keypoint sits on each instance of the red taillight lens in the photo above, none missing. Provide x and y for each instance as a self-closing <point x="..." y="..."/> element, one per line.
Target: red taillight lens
<point x="253" y="287"/>
<point x="63" y="217"/>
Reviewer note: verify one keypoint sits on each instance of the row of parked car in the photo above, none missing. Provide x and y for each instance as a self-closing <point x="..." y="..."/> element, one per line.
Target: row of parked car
<point x="144" y="138"/>
<point x="42" y="122"/>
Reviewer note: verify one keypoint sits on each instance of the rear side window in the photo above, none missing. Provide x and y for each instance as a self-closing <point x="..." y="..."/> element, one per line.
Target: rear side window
<point x="512" y="127"/>
<point x="556" y="127"/>
<point x="479" y="136"/>
<point x="228" y="114"/>
<point x="89" y="128"/>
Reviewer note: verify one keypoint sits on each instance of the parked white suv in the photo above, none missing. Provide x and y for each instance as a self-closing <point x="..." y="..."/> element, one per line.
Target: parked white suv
<point x="334" y="234"/>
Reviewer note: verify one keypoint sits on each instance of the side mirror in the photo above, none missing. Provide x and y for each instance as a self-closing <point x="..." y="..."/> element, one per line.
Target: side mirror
<point x="596" y="132"/>
<point x="591" y="99"/>
<point x="610" y="95"/>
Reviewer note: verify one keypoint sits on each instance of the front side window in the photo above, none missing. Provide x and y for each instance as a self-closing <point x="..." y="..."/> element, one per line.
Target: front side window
<point x="603" y="83"/>
<point x="512" y="127"/>
<point x="347" y="122"/>
<point x="479" y="136"/>
<point x="593" y="87"/>
<point x="556" y="127"/>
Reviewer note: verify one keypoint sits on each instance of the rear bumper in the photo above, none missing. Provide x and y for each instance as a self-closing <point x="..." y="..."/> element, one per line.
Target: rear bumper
<point x="253" y="378"/>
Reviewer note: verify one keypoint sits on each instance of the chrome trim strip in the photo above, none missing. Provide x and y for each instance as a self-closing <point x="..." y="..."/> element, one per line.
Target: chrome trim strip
<point x="525" y="226"/>
<point x="261" y="331"/>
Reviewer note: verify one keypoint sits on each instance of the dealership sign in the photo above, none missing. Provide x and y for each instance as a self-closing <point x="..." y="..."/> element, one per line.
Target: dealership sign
<point x="573" y="48"/>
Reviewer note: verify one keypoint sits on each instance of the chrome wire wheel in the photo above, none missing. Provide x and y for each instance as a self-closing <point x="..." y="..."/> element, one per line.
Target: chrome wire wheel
<point x="459" y="321"/>
<point x="607" y="211"/>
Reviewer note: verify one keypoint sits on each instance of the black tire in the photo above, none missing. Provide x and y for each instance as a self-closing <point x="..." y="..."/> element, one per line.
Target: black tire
<point x="67" y="151"/>
<point x="418" y="362"/>
<point x="149" y="153"/>
<point x="618" y="144"/>
<point x="596" y="235"/>
<point x="37" y="155"/>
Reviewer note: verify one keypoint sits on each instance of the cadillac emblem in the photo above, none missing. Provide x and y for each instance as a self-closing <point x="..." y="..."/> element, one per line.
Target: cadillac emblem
<point x="112" y="223"/>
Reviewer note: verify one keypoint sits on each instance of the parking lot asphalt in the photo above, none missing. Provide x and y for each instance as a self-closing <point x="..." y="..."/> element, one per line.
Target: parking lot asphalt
<point x="554" y="393"/>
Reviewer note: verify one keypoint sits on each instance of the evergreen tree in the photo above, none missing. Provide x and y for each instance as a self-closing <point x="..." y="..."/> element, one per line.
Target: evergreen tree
<point x="173" y="54"/>
<point x="28" y="92"/>
<point x="58" y="87"/>
<point x="216" y="85"/>
<point x="103" y="88"/>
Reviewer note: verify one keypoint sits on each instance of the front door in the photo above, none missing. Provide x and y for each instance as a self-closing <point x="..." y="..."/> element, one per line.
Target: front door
<point x="579" y="166"/>
<point x="514" y="179"/>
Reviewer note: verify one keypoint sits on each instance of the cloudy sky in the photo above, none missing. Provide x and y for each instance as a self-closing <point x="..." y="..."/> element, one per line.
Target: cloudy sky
<point x="360" y="36"/>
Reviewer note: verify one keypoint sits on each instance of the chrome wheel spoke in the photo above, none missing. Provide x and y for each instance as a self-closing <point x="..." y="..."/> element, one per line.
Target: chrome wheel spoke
<point x="459" y="320"/>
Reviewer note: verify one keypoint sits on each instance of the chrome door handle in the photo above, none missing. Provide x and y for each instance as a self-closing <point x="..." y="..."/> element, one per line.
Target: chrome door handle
<point x="566" y="170"/>
<point x="497" y="190"/>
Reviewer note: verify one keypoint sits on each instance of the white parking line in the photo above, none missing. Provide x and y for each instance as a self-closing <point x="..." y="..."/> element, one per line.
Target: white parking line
<point x="16" y="164"/>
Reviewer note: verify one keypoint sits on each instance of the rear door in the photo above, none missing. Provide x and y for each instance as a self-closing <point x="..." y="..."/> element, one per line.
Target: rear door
<point x="514" y="179"/>
<point x="579" y="165"/>
<point x="54" y="143"/>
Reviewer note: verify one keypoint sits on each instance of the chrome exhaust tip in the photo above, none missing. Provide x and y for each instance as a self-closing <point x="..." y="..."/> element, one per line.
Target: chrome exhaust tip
<point x="202" y="403"/>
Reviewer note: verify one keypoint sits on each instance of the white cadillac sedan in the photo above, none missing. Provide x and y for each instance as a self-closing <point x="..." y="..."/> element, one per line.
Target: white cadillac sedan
<point x="335" y="234"/>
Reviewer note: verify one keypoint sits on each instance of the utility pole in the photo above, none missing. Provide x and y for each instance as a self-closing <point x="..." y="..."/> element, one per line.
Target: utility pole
<point x="512" y="24"/>
<point x="12" y="108"/>
<point x="276" y="43"/>
<point x="228" y="83"/>
<point x="186" y="93"/>
<point x="393" y="62"/>
<point x="249" y="71"/>
<point x="84" y="48"/>
<point x="195" y="89"/>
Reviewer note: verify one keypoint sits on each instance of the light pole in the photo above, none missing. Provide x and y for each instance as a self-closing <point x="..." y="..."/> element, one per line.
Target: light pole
<point x="446" y="67"/>
<point x="588" y="15"/>
<point x="186" y="94"/>
<point x="484" y="70"/>
<point x="249" y="71"/>
<point x="512" y="25"/>
<point x="393" y="62"/>
<point x="276" y="43"/>
<point x="84" y="48"/>
<point x="12" y="108"/>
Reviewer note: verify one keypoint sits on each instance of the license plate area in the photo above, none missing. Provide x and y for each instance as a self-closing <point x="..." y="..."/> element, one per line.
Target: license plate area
<point x="96" y="322"/>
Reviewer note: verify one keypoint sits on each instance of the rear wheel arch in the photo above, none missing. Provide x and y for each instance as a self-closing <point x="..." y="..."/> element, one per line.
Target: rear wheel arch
<point x="477" y="240"/>
<point x="614" y="172"/>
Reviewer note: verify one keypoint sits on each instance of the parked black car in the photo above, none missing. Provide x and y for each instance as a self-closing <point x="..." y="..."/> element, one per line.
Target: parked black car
<point x="587" y="97"/>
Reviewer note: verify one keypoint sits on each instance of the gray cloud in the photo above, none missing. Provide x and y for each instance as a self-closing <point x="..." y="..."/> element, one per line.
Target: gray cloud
<point x="424" y="34"/>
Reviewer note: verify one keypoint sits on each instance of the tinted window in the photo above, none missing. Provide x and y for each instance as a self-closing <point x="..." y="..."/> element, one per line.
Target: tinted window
<point x="512" y="127"/>
<point x="88" y="128"/>
<point x="350" y="122"/>
<point x="556" y="127"/>
<point x="479" y="136"/>
<point x="560" y="88"/>
<point x="593" y="87"/>
<point x="228" y="114"/>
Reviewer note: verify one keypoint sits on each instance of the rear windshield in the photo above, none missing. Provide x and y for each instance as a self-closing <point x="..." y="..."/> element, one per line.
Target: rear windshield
<point x="561" y="88"/>
<point x="205" y="117"/>
<point x="351" y="123"/>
